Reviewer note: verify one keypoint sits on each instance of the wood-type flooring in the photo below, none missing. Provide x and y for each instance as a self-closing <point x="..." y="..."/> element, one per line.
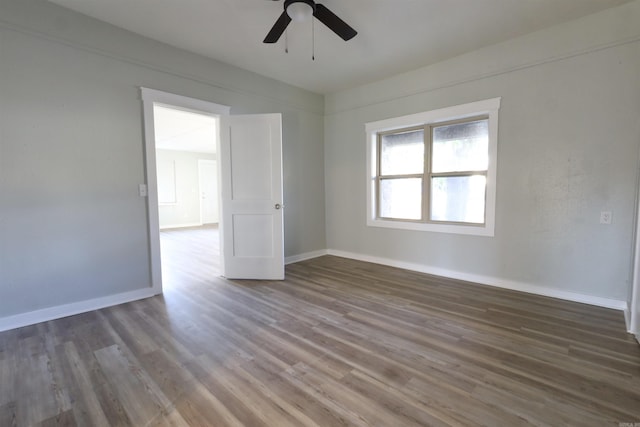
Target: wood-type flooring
<point x="338" y="342"/>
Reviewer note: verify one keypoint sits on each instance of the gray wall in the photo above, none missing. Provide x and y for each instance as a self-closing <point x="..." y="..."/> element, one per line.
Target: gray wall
<point x="72" y="226"/>
<point x="569" y="133"/>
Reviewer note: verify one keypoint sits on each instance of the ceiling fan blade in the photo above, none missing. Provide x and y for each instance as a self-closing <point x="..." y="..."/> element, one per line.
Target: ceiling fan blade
<point x="334" y="23"/>
<point x="278" y="28"/>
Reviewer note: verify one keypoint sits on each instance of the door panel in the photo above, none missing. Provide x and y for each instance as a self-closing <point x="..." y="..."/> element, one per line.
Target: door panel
<point x="251" y="174"/>
<point x="253" y="236"/>
<point x="252" y="218"/>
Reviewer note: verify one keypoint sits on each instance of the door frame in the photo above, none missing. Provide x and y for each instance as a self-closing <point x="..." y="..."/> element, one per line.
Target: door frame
<point x="632" y="314"/>
<point x="209" y="162"/>
<point x="633" y="318"/>
<point x="150" y="97"/>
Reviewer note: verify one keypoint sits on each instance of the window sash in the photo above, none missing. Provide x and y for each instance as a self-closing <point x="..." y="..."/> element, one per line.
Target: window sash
<point x="379" y="180"/>
<point x="427" y="176"/>
<point x="458" y="175"/>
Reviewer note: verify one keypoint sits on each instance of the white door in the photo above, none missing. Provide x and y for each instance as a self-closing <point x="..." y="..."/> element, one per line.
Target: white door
<point x="208" y="184"/>
<point x="251" y="177"/>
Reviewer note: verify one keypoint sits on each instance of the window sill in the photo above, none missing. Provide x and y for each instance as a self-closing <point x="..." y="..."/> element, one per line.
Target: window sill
<point x="486" y="230"/>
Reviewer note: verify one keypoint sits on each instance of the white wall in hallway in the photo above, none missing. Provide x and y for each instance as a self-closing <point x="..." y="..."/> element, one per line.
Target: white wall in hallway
<point x="180" y="170"/>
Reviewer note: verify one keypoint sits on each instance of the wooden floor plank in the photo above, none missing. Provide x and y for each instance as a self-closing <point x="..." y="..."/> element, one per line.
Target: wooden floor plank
<point x="202" y="408"/>
<point x="140" y="402"/>
<point x="63" y="419"/>
<point x="337" y="343"/>
<point x="8" y="386"/>
<point x="77" y="381"/>
<point x="35" y="392"/>
<point x="8" y="415"/>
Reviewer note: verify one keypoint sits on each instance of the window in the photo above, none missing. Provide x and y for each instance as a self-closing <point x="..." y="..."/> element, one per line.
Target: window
<point x="435" y="171"/>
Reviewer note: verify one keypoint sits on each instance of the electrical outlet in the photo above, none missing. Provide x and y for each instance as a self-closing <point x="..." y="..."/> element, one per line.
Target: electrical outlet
<point x="605" y="217"/>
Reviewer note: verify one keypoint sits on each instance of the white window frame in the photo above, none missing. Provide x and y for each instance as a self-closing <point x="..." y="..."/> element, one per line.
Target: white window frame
<point x="488" y="108"/>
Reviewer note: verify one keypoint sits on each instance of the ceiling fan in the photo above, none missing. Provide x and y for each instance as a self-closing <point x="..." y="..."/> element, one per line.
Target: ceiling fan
<point x="300" y="10"/>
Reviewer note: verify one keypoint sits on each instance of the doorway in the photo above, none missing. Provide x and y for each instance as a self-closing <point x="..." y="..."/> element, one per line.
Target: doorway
<point x="179" y="133"/>
<point x="186" y="168"/>
<point x="251" y="190"/>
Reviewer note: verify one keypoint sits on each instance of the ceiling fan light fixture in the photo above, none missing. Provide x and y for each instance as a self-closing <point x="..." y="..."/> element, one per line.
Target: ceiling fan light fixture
<point x="300" y="10"/>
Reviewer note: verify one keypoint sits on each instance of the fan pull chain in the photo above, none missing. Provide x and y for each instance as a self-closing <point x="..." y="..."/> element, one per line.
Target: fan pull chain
<point x="313" y="40"/>
<point x="286" y="41"/>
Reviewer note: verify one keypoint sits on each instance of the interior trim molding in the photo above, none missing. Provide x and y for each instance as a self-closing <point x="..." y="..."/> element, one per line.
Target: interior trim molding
<point x="305" y="256"/>
<point x="334" y="110"/>
<point x="65" y="310"/>
<point x="488" y="281"/>
<point x="161" y="68"/>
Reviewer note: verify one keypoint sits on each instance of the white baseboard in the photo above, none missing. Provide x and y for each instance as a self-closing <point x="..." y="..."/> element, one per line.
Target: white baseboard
<point x="186" y="225"/>
<point x="51" y="313"/>
<point x="65" y="310"/>
<point x="488" y="280"/>
<point x="305" y="256"/>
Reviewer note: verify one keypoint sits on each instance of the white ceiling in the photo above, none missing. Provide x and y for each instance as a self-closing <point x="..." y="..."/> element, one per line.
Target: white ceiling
<point x="180" y="130"/>
<point x="393" y="35"/>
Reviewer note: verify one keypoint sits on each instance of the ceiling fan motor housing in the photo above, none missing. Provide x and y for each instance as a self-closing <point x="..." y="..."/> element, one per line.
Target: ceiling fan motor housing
<point x="297" y="9"/>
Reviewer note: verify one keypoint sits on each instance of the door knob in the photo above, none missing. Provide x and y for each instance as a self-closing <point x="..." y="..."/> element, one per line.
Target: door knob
<point x="278" y="206"/>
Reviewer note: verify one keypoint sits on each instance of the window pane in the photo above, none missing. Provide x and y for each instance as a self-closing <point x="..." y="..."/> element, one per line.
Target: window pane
<point x="461" y="147"/>
<point x="401" y="198"/>
<point x="458" y="199"/>
<point x="402" y="153"/>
